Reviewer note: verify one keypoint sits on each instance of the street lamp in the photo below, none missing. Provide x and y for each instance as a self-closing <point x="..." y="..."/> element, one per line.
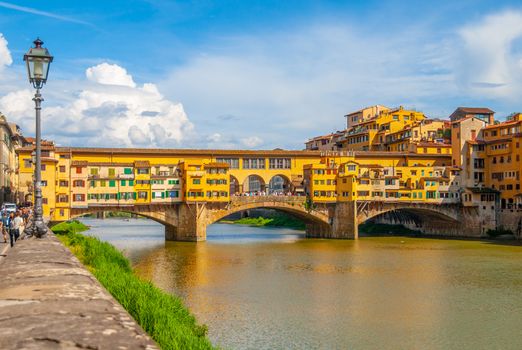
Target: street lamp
<point x="38" y="61"/>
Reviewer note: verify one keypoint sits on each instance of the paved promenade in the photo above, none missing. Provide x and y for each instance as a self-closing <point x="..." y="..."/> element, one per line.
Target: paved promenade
<point x="48" y="300"/>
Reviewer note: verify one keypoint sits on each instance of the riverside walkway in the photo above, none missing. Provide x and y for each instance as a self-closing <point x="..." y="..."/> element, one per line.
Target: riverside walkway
<point x="48" y="300"/>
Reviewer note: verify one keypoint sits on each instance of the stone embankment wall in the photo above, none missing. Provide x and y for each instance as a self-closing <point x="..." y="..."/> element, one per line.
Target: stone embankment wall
<point x="48" y="300"/>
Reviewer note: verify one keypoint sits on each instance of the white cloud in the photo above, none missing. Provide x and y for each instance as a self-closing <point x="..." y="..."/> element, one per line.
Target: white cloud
<point x="289" y="86"/>
<point x="119" y="114"/>
<point x="252" y="141"/>
<point x="487" y="63"/>
<point x="5" y="54"/>
<point x="110" y="74"/>
<point x="215" y="137"/>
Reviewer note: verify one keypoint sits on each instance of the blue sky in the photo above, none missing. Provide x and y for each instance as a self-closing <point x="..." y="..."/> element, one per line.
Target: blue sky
<point x="253" y="74"/>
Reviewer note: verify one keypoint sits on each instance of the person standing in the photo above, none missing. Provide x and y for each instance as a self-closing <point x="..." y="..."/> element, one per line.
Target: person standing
<point x="9" y="226"/>
<point x="17" y="224"/>
<point x="2" y="226"/>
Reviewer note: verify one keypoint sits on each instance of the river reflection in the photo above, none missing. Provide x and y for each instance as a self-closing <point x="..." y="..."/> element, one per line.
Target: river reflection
<point x="261" y="288"/>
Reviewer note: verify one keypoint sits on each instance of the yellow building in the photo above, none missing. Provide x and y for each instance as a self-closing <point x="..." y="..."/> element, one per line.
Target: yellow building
<point x="501" y="154"/>
<point x="384" y="176"/>
<point x="95" y="178"/>
<point x="389" y="130"/>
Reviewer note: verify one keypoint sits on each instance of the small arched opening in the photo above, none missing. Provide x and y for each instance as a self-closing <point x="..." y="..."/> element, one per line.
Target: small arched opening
<point x="254" y="184"/>
<point x="279" y="184"/>
<point x="234" y="186"/>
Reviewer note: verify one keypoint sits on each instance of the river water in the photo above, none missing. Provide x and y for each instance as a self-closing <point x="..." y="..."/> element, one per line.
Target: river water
<point x="260" y="288"/>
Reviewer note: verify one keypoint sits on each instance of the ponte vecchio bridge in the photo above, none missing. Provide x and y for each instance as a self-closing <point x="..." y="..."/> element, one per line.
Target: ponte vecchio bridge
<point x="186" y="190"/>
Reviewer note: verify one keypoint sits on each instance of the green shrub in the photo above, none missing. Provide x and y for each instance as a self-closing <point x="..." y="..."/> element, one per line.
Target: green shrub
<point x="71" y="226"/>
<point x="499" y="232"/>
<point x="161" y="315"/>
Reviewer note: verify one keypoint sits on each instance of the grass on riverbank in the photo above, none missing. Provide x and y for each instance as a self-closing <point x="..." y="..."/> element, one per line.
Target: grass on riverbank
<point x="161" y="315"/>
<point x="278" y="220"/>
<point x="73" y="226"/>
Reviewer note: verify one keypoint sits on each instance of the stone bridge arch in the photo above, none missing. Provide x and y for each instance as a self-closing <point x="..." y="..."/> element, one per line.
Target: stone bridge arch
<point x="167" y="215"/>
<point x="429" y="218"/>
<point x="291" y="205"/>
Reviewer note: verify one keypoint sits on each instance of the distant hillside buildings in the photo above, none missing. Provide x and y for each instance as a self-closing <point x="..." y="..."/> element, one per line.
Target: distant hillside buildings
<point x="486" y="153"/>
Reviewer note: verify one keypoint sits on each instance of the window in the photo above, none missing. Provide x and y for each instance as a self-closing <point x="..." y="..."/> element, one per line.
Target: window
<point x="122" y="183"/>
<point x="173" y="182"/>
<point x="27" y="163"/>
<point x="253" y="163"/>
<point x="78" y="197"/>
<point x="173" y="194"/>
<point x="80" y="183"/>
<point x="127" y="171"/>
<point x="62" y="168"/>
<point x="196" y="181"/>
<point x="78" y="170"/>
<point x="143" y="171"/>
<point x="112" y="172"/>
<point x="44" y="183"/>
<point x="103" y="183"/>
<point x="63" y="183"/>
<point x="131" y="182"/>
<point x="93" y="183"/>
<point x="46" y="153"/>
<point x="158" y="194"/>
<point x="112" y="183"/>
<point x="232" y="162"/>
<point x="94" y="171"/>
<point x="44" y="200"/>
<point x="279" y="163"/>
<point x="62" y="198"/>
<point x="43" y="167"/>
<point x="142" y="194"/>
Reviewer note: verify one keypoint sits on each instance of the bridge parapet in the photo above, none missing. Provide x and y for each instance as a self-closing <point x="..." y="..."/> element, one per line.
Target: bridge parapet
<point x="242" y="200"/>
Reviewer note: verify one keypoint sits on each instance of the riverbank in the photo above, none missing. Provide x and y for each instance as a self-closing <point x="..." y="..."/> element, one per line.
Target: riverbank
<point x="277" y="220"/>
<point x="161" y="315"/>
<point x="49" y="300"/>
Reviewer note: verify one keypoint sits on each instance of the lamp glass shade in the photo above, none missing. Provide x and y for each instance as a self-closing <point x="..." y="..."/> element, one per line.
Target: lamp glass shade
<point x="38" y="60"/>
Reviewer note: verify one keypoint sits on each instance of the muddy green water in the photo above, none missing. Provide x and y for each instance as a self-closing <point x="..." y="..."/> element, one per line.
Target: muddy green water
<point x="259" y="288"/>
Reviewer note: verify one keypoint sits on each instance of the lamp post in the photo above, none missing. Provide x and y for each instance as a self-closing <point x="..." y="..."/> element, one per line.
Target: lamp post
<point x="38" y="61"/>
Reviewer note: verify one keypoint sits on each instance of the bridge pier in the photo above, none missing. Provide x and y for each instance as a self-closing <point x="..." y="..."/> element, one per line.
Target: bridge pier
<point x="318" y="230"/>
<point x="344" y="224"/>
<point x="190" y="226"/>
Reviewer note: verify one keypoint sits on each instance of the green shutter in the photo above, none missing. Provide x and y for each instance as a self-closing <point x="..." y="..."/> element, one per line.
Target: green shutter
<point x="112" y="183"/>
<point x="162" y="194"/>
<point x="133" y="195"/>
<point x="127" y="171"/>
<point x="122" y="182"/>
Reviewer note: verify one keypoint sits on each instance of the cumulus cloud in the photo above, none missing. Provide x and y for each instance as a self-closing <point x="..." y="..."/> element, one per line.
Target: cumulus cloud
<point x="110" y="74"/>
<point x="488" y="62"/>
<point x="5" y="54"/>
<point x="110" y="111"/>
